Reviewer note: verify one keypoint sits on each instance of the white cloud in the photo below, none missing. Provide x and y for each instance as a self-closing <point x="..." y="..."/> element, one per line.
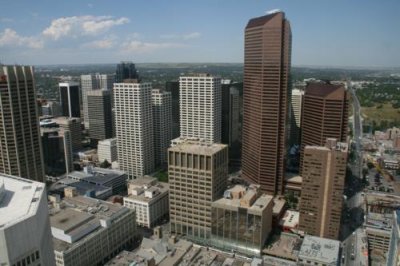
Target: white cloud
<point x="188" y="36"/>
<point x="144" y="47"/>
<point x="100" y="44"/>
<point x="10" y="37"/>
<point x="81" y="25"/>
<point x="193" y="35"/>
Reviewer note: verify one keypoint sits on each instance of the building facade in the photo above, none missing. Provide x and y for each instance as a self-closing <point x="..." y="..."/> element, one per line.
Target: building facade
<point x="73" y="125"/>
<point x="321" y="202"/>
<point x="25" y="237"/>
<point x="173" y="88"/>
<point x="200" y="107"/>
<point x="267" y="60"/>
<point x="93" y="82"/>
<point x="70" y="99"/>
<point x="325" y="115"/>
<point x="134" y="128"/>
<point x="149" y="199"/>
<point x="162" y="124"/>
<point x="20" y="145"/>
<point x="100" y="117"/>
<point x="107" y="150"/>
<point x="197" y="175"/>
<point x="241" y="220"/>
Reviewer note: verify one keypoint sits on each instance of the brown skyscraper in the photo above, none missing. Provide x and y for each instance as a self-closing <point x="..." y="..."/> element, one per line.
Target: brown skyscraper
<point x="324" y="171"/>
<point x="267" y="57"/>
<point x="20" y="145"/>
<point x="324" y="115"/>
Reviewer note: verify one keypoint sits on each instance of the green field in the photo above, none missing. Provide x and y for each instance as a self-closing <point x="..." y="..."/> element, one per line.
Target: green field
<point x="383" y="117"/>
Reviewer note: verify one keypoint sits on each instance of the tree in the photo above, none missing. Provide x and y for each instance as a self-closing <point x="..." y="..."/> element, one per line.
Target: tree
<point x="105" y="164"/>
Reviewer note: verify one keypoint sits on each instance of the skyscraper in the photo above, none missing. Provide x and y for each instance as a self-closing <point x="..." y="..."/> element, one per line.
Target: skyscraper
<point x="126" y="70"/>
<point x="24" y="223"/>
<point x="198" y="174"/>
<point x="162" y="124"/>
<point x="295" y="119"/>
<point x="173" y="87"/>
<point x="200" y="107"/>
<point x="324" y="171"/>
<point x="134" y="128"/>
<point x="90" y="83"/>
<point x="230" y="120"/>
<point x="325" y="115"/>
<point x="70" y="99"/>
<point x="100" y="114"/>
<point x="20" y="146"/>
<point x="267" y="59"/>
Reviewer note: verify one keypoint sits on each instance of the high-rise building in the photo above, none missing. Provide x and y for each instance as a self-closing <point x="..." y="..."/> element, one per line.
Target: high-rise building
<point x="134" y="128"/>
<point x="295" y="116"/>
<point x="324" y="115"/>
<point x="173" y="87"/>
<point x="57" y="150"/>
<point x="20" y="146"/>
<point x="197" y="174"/>
<point x="99" y="104"/>
<point x="25" y="237"/>
<point x="267" y="60"/>
<point x="126" y="70"/>
<point x="324" y="171"/>
<point x="200" y="107"/>
<point x="90" y="83"/>
<point x="230" y="120"/>
<point x="162" y="124"/>
<point x="73" y="125"/>
<point x="70" y="99"/>
<point x="107" y="150"/>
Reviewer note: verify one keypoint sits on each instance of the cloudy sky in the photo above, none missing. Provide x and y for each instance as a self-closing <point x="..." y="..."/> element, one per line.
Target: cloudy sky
<point x="326" y="33"/>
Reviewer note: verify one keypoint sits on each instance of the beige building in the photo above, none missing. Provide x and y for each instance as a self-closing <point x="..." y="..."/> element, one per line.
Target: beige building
<point x="242" y="220"/>
<point x="324" y="171"/>
<point x="20" y="145"/>
<point x="149" y="199"/>
<point x="88" y="231"/>
<point x="72" y="124"/>
<point x="107" y="150"/>
<point x="198" y="174"/>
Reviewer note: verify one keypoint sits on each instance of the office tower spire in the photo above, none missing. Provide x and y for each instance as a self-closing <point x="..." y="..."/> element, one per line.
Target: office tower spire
<point x="267" y="59"/>
<point x="20" y="146"/>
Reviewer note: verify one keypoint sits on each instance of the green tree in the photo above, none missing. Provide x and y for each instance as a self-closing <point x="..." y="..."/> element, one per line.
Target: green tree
<point x="105" y="164"/>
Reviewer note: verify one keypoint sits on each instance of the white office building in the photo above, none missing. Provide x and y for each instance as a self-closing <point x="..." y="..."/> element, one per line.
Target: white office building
<point x="162" y="124"/>
<point x="149" y="199"/>
<point x="200" y="107"/>
<point x="25" y="237"/>
<point x="296" y="103"/>
<point x="107" y="150"/>
<point x="134" y="128"/>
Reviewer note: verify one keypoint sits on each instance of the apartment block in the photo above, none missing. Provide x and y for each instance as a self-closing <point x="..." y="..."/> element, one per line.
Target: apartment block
<point x="107" y="150"/>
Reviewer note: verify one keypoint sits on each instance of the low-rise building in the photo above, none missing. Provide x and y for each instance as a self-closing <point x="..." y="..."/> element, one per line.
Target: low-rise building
<point x="25" y="237"/>
<point x="293" y="184"/>
<point x="290" y="221"/>
<point x="149" y="199"/>
<point x="241" y="220"/>
<point x="107" y="150"/>
<point x="319" y="251"/>
<point x="88" y="232"/>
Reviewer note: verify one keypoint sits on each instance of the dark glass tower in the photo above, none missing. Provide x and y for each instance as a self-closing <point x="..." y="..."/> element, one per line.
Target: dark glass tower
<point x="70" y="99"/>
<point x="126" y="70"/>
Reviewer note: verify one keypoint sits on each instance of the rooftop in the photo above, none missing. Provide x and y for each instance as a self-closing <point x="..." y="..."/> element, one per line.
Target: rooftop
<point x="290" y="219"/>
<point x="19" y="199"/>
<point x="96" y="175"/>
<point x="259" y="21"/>
<point x="323" y="89"/>
<point x="112" y="141"/>
<point x="325" y="251"/>
<point x="138" y="187"/>
<point x="195" y="146"/>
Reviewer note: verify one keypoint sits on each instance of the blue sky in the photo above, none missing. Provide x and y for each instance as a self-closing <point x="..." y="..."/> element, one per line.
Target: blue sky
<point x="325" y="33"/>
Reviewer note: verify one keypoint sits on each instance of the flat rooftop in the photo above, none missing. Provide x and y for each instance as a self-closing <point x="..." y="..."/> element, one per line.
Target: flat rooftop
<point x="325" y="251"/>
<point x="69" y="219"/>
<point x="81" y="187"/>
<point x="196" y="146"/>
<point x="96" y="175"/>
<point x="161" y="187"/>
<point x="19" y="199"/>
